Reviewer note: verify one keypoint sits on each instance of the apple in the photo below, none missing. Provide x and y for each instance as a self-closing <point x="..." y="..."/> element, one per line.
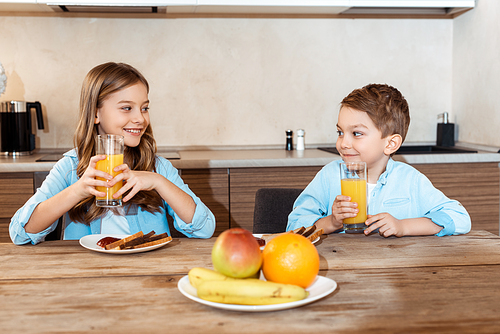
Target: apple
<point x="236" y="253"/>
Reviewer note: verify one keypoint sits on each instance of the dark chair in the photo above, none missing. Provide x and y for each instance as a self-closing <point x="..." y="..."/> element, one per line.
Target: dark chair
<point x="272" y="207"/>
<point x="173" y="232"/>
<point x="57" y="234"/>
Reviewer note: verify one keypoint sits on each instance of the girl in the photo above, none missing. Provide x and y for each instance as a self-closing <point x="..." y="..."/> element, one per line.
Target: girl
<point x="114" y="100"/>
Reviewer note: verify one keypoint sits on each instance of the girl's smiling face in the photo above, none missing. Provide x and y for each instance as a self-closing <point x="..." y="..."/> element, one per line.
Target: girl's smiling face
<point x="360" y="140"/>
<point x="125" y="113"/>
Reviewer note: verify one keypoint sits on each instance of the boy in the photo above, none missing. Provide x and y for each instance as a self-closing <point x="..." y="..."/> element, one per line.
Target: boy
<point x="372" y="125"/>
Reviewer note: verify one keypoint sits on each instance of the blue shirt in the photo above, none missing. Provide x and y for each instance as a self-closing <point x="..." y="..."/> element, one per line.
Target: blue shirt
<point x="63" y="174"/>
<point x="401" y="191"/>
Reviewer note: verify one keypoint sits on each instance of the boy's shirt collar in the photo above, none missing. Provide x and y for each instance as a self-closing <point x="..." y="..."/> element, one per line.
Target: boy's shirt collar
<point x="388" y="169"/>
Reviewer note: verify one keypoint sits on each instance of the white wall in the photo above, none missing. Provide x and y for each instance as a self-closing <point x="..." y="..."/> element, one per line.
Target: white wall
<point x="476" y="73"/>
<point x="232" y="81"/>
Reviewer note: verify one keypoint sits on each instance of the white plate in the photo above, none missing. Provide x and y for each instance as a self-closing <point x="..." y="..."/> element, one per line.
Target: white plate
<point x="90" y="242"/>
<point x="321" y="287"/>
<point x="262" y="247"/>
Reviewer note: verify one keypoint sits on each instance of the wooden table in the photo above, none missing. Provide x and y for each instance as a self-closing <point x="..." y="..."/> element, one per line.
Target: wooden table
<point x="405" y="285"/>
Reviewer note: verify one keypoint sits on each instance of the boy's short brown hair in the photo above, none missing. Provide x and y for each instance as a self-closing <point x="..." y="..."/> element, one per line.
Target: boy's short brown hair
<point x="385" y="106"/>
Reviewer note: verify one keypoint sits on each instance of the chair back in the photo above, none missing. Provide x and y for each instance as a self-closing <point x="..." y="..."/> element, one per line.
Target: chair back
<point x="272" y="207"/>
<point x="58" y="233"/>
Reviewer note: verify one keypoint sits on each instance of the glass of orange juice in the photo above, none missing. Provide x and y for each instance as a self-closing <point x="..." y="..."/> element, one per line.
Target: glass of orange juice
<point x="353" y="184"/>
<point x="112" y="146"/>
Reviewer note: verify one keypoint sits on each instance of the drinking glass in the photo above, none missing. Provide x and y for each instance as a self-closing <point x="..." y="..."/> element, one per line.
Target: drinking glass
<point x="112" y="146"/>
<point x="353" y="184"/>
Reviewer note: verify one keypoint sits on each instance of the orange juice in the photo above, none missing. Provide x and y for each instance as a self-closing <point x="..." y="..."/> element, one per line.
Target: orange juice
<point x="356" y="189"/>
<point x="107" y="165"/>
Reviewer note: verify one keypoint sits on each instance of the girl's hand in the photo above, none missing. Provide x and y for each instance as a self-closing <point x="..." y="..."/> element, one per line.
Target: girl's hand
<point x="85" y="186"/>
<point x="133" y="180"/>
<point x="387" y="225"/>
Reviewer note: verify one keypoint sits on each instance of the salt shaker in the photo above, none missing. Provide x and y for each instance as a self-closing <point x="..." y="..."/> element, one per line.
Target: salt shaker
<point x="300" y="140"/>
<point x="289" y="140"/>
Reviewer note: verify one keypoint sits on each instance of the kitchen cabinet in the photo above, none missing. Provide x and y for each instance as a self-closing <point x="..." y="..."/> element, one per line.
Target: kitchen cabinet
<point x="475" y="185"/>
<point x="265" y="7"/>
<point x="327" y="8"/>
<point x="212" y="187"/>
<point x="244" y="183"/>
<point x="247" y="8"/>
<point x="24" y="7"/>
<point x="411" y="3"/>
<point x="230" y="192"/>
<point x="120" y="2"/>
<point x="18" y="1"/>
<point x="15" y="190"/>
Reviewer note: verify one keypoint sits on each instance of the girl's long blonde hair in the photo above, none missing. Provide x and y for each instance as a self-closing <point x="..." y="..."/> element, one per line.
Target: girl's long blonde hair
<point x="102" y="81"/>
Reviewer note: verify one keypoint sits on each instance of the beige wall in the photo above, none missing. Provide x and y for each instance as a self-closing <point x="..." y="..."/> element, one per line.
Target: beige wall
<point x="476" y="73"/>
<point x="217" y="82"/>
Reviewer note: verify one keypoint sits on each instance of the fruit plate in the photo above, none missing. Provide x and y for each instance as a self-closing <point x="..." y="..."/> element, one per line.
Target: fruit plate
<point x="90" y="242"/>
<point x="320" y="288"/>
<point x="262" y="247"/>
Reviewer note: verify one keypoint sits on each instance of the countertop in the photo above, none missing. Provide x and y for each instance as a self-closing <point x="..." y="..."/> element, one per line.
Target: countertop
<point x="255" y="157"/>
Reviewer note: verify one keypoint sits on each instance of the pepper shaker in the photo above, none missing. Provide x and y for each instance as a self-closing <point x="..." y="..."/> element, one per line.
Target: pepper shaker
<point x="300" y="140"/>
<point x="289" y="140"/>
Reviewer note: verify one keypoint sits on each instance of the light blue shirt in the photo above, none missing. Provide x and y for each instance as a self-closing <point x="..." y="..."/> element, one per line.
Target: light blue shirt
<point x="115" y="222"/>
<point x="63" y="174"/>
<point x="401" y="191"/>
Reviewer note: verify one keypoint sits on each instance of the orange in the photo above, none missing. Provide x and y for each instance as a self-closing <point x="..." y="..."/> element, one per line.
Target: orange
<point x="291" y="259"/>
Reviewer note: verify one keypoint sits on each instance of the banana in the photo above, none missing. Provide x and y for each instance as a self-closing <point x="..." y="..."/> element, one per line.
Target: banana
<point x="198" y="275"/>
<point x="216" y="287"/>
<point x="249" y="291"/>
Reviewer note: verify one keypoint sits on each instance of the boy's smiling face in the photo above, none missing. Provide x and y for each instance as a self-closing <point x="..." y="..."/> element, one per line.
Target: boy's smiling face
<point x="360" y="140"/>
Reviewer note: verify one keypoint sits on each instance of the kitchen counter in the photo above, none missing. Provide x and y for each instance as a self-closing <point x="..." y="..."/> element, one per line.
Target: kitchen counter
<point x="227" y="179"/>
<point x="241" y="158"/>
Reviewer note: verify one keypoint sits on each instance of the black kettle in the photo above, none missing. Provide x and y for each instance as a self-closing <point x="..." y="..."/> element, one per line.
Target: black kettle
<point x="16" y="134"/>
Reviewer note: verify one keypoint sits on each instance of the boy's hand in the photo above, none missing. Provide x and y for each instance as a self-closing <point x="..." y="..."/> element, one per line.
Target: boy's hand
<point x="342" y="208"/>
<point x="387" y="225"/>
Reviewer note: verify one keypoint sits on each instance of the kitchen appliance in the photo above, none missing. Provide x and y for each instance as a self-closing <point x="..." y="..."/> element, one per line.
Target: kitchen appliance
<point x="445" y="132"/>
<point x="16" y="134"/>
